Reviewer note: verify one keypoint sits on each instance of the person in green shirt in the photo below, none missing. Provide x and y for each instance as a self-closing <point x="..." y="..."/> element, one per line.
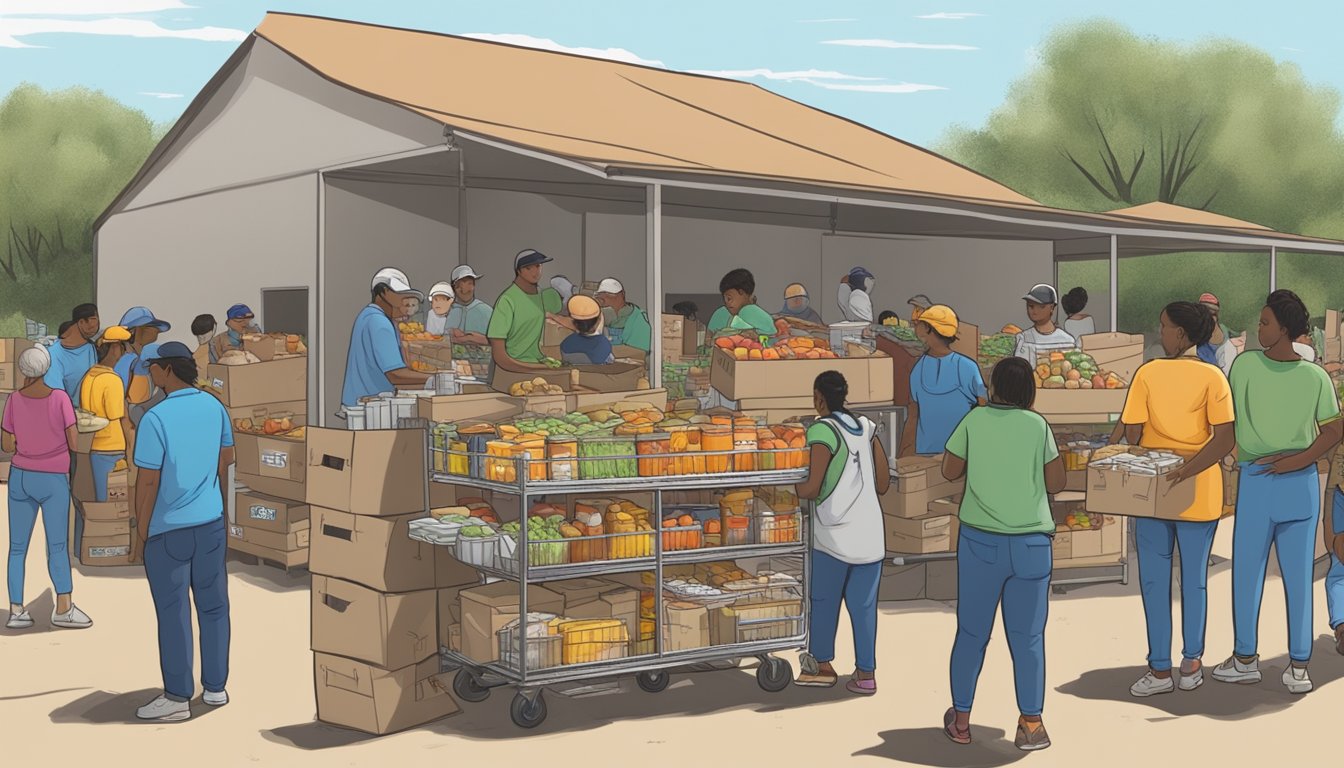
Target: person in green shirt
<point x="739" y="311"/>
<point x="1004" y="549"/>
<point x="520" y="314"/>
<point x="628" y="324"/>
<point x="1287" y="418"/>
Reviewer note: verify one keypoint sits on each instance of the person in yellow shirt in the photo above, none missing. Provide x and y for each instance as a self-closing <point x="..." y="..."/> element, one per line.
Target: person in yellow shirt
<point x="102" y="393"/>
<point x="1179" y="403"/>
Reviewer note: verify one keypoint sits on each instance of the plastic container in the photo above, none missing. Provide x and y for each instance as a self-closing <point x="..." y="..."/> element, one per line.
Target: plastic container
<point x="657" y="447"/>
<point x="480" y="551"/>
<point x="735" y="518"/>
<point x="840" y="330"/>
<point x="717" y="439"/>
<point x="744" y="446"/>
<point x="562" y="456"/>
<point x="606" y="458"/>
<point x="542" y="647"/>
<point x="445" y="383"/>
<point x="499" y="464"/>
<point x="678" y="538"/>
<point x="770" y="527"/>
<point x="535" y="451"/>
<point x="354" y="417"/>
<point x="684" y="443"/>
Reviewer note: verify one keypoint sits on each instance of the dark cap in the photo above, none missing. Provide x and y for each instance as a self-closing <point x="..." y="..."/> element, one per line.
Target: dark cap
<point x="528" y="258"/>
<point x="239" y="311"/>
<point x="1042" y="294"/>
<point x="169" y="351"/>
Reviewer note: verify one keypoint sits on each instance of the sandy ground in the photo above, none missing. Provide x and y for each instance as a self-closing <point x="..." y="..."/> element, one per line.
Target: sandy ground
<point x="69" y="697"/>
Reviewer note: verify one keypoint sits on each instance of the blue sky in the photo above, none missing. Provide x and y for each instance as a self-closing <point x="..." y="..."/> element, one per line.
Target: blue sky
<point x="910" y="68"/>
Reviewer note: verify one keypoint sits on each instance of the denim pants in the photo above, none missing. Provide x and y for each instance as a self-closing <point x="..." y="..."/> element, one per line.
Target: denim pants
<point x="182" y="564"/>
<point x="102" y="464"/>
<point x="1157" y="540"/>
<point x="1334" y="580"/>
<point x="1014" y="570"/>
<point x="28" y="493"/>
<point x="832" y="581"/>
<point x="1279" y="510"/>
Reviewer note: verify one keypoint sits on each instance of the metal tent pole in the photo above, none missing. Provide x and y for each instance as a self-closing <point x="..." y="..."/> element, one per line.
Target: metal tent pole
<point x="1115" y="283"/>
<point x="1273" y="268"/>
<point x="653" y="219"/>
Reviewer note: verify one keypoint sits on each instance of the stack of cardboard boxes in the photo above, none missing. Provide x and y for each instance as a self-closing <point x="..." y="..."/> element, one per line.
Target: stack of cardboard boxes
<point x="267" y="404"/>
<point x="100" y="531"/>
<point x="920" y="509"/>
<point x="375" y="598"/>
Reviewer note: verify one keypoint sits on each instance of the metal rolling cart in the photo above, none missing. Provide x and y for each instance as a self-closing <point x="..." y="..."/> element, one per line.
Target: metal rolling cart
<point x="530" y="669"/>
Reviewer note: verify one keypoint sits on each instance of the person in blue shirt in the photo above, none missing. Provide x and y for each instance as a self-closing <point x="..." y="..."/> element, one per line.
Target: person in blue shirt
<point x="73" y="355"/>
<point x="145" y="329"/>
<point x="587" y="345"/>
<point x="183" y="450"/>
<point x="375" y="363"/>
<point x="944" y="386"/>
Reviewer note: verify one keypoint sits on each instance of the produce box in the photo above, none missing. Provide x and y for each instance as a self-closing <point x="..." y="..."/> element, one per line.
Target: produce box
<point x="279" y="463"/>
<point x="780" y="619"/>
<point x="276" y="381"/>
<point x="1080" y="402"/>
<point x="1132" y="481"/>
<point x="487" y="608"/>
<point x="584" y="400"/>
<point x="490" y="406"/>
<point x="545" y="405"/>
<point x="267" y="513"/>
<point x="685" y="627"/>
<point x="379" y="553"/>
<point x="923" y="535"/>
<point x="617" y="377"/>
<point x="1121" y="353"/>
<point x="368" y="698"/>
<point x="1079" y="534"/>
<point x="502" y="380"/>
<point x="293" y="540"/>
<point x="269" y="346"/>
<point x="10" y="349"/>
<point x="738" y="379"/>
<point x="390" y="630"/>
<point x="380" y="472"/>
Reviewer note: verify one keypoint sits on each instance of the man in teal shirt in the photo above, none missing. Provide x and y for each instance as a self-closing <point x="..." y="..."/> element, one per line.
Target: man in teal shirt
<point x="739" y="311"/>
<point x="520" y="314"/>
<point x="469" y="317"/>
<point x="628" y="324"/>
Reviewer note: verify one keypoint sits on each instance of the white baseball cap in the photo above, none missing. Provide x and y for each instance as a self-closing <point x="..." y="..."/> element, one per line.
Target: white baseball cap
<point x="464" y="271"/>
<point x="441" y="289"/>
<point x="610" y="285"/>
<point x="396" y="280"/>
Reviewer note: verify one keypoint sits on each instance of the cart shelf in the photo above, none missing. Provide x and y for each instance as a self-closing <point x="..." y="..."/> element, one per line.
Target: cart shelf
<point x="542" y="573"/>
<point x="632" y="484"/>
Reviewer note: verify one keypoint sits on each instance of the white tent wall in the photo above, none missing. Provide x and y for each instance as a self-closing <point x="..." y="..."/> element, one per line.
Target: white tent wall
<point x="502" y="223"/>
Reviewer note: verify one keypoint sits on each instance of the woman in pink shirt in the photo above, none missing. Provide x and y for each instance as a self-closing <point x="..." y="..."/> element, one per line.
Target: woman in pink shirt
<point x="38" y="427"/>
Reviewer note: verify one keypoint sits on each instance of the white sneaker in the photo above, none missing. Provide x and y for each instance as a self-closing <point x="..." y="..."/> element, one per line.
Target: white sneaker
<point x="1193" y="680"/>
<point x="165" y="709"/>
<point x="1233" y="671"/>
<point x="19" y="620"/>
<point x="1295" y="679"/>
<point x="71" y="619"/>
<point x="1152" y="685"/>
<point x="215" y="699"/>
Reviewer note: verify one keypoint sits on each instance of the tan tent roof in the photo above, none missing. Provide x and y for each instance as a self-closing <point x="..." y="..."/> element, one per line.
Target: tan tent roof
<point x="614" y="115"/>
<point x="1166" y="212"/>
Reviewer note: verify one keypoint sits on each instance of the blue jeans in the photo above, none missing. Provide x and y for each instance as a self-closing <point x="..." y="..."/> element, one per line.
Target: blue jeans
<point x="1157" y="540"/>
<point x="1014" y="570"/>
<point x="1334" y="580"/>
<point x="103" y="463"/>
<point x="29" y="492"/>
<point x="832" y="581"/>
<point x="181" y="561"/>
<point x="1279" y="510"/>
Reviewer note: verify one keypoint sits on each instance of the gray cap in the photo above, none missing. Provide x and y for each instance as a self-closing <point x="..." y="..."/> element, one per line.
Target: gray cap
<point x="1042" y="294"/>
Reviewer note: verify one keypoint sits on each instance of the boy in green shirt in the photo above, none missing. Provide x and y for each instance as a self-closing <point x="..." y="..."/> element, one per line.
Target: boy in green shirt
<point x="739" y="311"/>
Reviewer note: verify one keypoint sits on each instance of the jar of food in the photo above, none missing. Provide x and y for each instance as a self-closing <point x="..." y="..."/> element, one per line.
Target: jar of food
<point x="499" y="461"/>
<point x="717" y="443"/>
<point x="684" y="443"/>
<point x="292" y="344"/>
<point x="735" y="511"/>
<point x="535" y="451"/>
<point x="562" y="453"/>
<point x="768" y="457"/>
<point x="744" y="446"/>
<point x="459" y="462"/>
<point x="656" y="446"/>
<point x="607" y="457"/>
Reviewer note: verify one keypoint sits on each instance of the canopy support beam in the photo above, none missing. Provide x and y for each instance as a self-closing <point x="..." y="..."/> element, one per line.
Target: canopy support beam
<point x="1273" y="268"/>
<point x="653" y="222"/>
<point x="1115" y="283"/>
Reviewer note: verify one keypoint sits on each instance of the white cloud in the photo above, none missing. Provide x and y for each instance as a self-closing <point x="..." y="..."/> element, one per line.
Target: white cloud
<point x="770" y="74"/>
<point x="527" y="41"/>
<point x="161" y="95"/>
<point x="87" y="7"/>
<point x="823" y="21"/>
<point x="946" y="16"/>
<point x="896" y="44"/>
<point x="14" y="28"/>
<point x="878" y="87"/>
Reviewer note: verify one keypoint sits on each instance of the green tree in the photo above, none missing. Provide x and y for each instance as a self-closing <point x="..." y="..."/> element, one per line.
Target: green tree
<point x="64" y="155"/>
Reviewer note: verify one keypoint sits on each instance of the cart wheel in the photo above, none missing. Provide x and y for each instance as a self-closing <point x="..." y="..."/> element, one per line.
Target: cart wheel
<point x="653" y="682"/>
<point x="467" y="688"/>
<point x="774" y="675"/>
<point x="525" y="713"/>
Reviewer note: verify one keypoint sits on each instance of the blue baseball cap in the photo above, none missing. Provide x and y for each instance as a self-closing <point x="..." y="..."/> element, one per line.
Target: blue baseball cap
<point x="141" y="317"/>
<point x="529" y="257"/>
<point x="168" y="351"/>
<point x="239" y="310"/>
<point x="860" y="273"/>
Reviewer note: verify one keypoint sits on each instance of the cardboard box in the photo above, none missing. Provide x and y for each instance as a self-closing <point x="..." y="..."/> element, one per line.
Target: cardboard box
<point x="296" y="411"/>
<point x="380" y="472"/>
<point x="901" y="582"/>
<point x="586" y="399"/>
<point x="686" y="626"/>
<point x="267" y="513"/>
<point x="280" y="462"/>
<point x="276" y="381"/>
<point x="629" y="353"/>
<point x="107" y="529"/>
<point x="450" y="613"/>
<point x="921" y="535"/>
<point x="917" y="481"/>
<point x="490" y="406"/>
<point x="1115" y="492"/>
<point x="10" y="349"/>
<point x="369" y="698"/>
<point x="1080" y="402"/>
<point x="617" y="377"/>
<point x="487" y="608"/>
<point x="266" y="346"/>
<point x="9" y="376"/>
<point x="389" y="630"/>
<point x="545" y="405"/>
<point x="1120" y="353"/>
<point x="917" y="473"/>
<point x="84" y="442"/>
<point x="1231" y="480"/>
<point x="745" y="379"/>
<point x="379" y="553"/>
<point x="578" y="592"/>
<point x="105" y="511"/>
<point x="501" y="380"/>
<point x="940" y="580"/>
<point x="294" y="540"/>
<point x="97" y="551"/>
<point x="681" y="337"/>
<point x="4" y="471"/>
<point x="622" y="603"/>
<point x="1075" y="481"/>
<point x="297" y="558"/>
<point x="1334" y="350"/>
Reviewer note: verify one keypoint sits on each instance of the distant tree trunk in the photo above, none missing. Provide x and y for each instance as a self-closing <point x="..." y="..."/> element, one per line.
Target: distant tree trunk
<point x="1179" y="162"/>
<point x="1120" y="187"/>
<point x="30" y="245"/>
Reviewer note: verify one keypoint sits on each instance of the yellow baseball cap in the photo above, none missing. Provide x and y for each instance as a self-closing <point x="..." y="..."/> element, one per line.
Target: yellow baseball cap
<point x="115" y="333"/>
<point x="941" y="319"/>
<point x="583" y="308"/>
<point x="795" y="291"/>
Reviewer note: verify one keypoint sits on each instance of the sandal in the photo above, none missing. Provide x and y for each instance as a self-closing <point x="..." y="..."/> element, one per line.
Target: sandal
<point x="810" y="674"/>
<point x="950" y="728"/>
<point x="862" y="686"/>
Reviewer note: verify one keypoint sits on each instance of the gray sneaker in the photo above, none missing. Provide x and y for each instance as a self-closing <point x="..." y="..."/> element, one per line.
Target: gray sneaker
<point x="19" y="620"/>
<point x="71" y="619"/>
<point x="1295" y="679"/>
<point x="1152" y="685"/>
<point x="1233" y="671"/>
<point x="165" y="710"/>
<point x="215" y="699"/>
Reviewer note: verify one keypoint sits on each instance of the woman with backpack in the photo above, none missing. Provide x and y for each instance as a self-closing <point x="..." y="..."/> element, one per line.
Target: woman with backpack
<point x="847" y="471"/>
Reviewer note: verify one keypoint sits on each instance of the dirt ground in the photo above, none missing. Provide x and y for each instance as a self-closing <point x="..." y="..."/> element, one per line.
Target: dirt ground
<point x="70" y="697"/>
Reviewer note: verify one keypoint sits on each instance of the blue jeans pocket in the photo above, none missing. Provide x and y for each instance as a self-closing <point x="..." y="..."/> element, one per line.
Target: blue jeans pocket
<point x="1033" y="557"/>
<point x="179" y="547"/>
<point x="986" y="553"/>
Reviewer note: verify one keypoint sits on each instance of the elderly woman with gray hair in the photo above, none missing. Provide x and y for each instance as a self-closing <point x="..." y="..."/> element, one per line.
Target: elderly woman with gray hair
<point x="38" y="427"/>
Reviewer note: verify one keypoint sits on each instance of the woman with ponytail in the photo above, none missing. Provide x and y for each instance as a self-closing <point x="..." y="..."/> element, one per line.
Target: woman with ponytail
<point x="1179" y="403"/>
